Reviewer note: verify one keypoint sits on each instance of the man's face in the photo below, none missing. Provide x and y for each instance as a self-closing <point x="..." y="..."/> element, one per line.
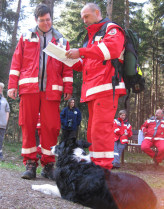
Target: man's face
<point x="89" y="17"/>
<point x="44" y="23"/>
<point x="123" y="116"/>
<point x="158" y="114"/>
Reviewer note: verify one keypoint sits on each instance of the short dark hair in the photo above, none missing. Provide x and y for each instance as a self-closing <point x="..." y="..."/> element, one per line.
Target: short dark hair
<point x="41" y="10"/>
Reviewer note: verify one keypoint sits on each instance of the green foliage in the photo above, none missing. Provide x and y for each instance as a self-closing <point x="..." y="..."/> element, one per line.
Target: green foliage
<point x="6" y="28"/>
<point x="148" y="26"/>
<point x="118" y="14"/>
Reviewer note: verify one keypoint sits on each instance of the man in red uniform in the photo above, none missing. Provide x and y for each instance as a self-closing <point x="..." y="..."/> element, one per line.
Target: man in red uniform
<point x="41" y="80"/>
<point x="153" y="130"/>
<point x="100" y="47"/>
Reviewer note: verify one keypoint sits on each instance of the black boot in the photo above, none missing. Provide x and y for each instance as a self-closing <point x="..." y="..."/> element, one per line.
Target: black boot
<point x="48" y="171"/>
<point x="30" y="172"/>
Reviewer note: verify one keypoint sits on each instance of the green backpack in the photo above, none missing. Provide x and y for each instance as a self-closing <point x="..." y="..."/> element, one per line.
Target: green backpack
<point x="129" y="70"/>
<point x="132" y="74"/>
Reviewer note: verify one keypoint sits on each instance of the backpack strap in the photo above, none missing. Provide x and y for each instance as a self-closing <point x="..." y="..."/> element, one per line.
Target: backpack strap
<point x="101" y="32"/>
<point x="118" y="74"/>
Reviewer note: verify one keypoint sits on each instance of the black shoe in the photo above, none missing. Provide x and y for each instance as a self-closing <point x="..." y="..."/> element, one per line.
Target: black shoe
<point x="30" y="172"/>
<point x="116" y="166"/>
<point x="48" y="171"/>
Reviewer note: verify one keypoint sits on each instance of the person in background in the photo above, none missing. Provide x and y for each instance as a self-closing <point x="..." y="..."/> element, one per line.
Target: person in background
<point x="122" y="131"/>
<point x="4" y="117"/>
<point x="41" y="80"/>
<point x="70" y="118"/>
<point x="153" y="130"/>
<point x="98" y="73"/>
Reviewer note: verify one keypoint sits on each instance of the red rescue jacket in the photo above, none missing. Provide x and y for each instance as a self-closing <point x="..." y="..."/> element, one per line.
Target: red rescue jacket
<point x="122" y="130"/>
<point x="153" y="129"/>
<point x="25" y="68"/>
<point x="96" y="61"/>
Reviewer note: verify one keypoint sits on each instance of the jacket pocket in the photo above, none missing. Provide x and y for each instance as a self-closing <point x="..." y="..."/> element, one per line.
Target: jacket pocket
<point x="94" y="69"/>
<point x="21" y="121"/>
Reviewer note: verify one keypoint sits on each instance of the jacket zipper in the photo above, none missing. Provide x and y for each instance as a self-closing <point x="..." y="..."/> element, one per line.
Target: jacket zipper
<point x="44" y="46"/>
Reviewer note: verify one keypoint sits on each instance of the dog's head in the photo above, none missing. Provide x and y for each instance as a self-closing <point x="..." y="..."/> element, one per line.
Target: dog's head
<point x="72" y="149"/>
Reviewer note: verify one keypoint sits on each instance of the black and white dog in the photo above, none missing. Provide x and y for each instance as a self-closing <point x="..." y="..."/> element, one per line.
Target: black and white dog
<point x="79" y="180"/>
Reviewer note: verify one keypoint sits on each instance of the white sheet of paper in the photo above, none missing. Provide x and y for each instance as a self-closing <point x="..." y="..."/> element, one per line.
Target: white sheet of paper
<point x="59" y="54"/>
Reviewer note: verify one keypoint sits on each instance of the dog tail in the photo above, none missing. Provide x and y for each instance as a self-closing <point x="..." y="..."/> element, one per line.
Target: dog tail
<point x="47" y="189"/>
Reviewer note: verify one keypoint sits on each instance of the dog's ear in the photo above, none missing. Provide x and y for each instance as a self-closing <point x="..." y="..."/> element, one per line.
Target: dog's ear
<point x="87" y="144"/>
<point x="83" y="143"/>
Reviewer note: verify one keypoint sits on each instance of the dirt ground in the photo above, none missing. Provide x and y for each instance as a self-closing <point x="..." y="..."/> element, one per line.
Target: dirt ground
<point x="16" y="193"/>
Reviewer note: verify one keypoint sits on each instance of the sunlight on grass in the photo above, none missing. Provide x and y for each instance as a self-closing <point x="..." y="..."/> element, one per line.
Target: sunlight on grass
<point x="13" y="147"/>
<point x="14" y="151"/>
<point x="17" y="167"/>
<point x="130" y="157"/>
<point x="11" y="166"/>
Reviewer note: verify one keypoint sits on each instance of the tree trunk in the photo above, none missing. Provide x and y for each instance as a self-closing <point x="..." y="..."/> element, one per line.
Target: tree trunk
<point x="14" y="34"/>
<point x="50" y="4"/>
<point x="126" y="2"/>
<point x="109" y="9"/>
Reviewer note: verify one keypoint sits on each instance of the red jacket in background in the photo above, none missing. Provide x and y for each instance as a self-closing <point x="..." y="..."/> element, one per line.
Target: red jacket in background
<point x="151" y="131"/>
<point x="122" y="130"/>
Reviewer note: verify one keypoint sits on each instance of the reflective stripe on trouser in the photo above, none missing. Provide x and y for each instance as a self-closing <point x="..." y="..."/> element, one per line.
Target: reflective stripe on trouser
<point x="100" y="130"/>
<point x="159" y="144"/>
<point x="30" y="106"/>
<point x="118" y="149"/>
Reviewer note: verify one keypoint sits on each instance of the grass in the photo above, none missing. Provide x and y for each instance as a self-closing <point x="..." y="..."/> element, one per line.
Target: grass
<point x="142" y="165"/>
<point x="14" y="160"/>
<point x="131" y="157"/>
<point x="138" y="164"/>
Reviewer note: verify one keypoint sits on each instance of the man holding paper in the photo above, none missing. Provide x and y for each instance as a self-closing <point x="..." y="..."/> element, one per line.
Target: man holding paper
<point x="97" y="89"/>
<point x="41" y="80"/>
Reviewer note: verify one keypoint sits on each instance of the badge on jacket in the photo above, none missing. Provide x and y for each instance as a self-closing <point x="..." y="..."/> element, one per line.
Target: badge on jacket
<point x="112" y="32"/>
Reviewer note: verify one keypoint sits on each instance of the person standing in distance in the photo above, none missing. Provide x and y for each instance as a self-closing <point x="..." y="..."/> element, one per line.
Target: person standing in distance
<point x="41" y="80"/>
<point x="70" y="118"/>
<point x="4" y="117"/>
<point x="98" y="72"/>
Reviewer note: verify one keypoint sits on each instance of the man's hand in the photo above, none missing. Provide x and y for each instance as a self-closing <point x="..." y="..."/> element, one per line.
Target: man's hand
<point x="72" y="54"/>
<point x="67" y="96"/>
<point x="12" y="93"/>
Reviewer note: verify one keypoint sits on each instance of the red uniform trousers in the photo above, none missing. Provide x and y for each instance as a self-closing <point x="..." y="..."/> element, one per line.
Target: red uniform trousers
<point x="100" y="130"/>
<point x="159" y="144"/>
<point x="30" y="106"/>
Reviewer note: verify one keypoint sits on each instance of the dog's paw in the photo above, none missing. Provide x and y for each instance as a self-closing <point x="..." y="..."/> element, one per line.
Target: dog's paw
<point x="47" y="189"/>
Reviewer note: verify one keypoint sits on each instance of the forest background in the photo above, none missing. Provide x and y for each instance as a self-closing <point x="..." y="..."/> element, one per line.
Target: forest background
<point x="147" y="23"/>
